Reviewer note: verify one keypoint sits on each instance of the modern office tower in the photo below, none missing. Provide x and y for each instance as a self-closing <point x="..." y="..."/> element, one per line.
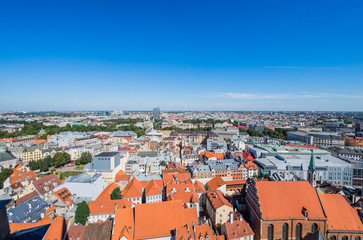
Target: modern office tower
<point x="156" y="113"/>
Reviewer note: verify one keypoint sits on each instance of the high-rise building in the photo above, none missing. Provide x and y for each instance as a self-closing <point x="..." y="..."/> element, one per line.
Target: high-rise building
<point x="156" y="113"/>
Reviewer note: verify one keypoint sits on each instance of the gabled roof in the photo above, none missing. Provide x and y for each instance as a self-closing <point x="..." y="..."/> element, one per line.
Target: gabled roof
<point x="341" y="216"/>
<point x="97" y="231"/>
<point x="286" y="199"/>
<point x="153" y="188"/>
<point x="22" y="226"/>
<point x="238" y="229"/>
<point x="106" y="193"/>
<point x="65" y="196"/>
<point x="47" y="183"/>
<point x="216" y="183"/>
<point x="56" y="229"/>
<point x="195" y="232"/>
<point x="76" y="231"/>
<point x="133" y="189"/>
<point x="218" y="200"/>
<point x="107" y="206"/>
<point x="185" y="197"/>
<point x="124" y="224"/>
<point x="151" y="220"/>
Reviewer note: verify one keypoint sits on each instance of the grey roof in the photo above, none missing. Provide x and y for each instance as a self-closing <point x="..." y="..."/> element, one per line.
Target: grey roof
<point x="6" y="156"/>
<point x="107" y="154"/>
<point x="84" y="178"/>
<point x="28" y="211"/>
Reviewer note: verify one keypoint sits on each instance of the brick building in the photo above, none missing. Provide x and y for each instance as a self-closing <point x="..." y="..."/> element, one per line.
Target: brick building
<point x="284" y="210"/>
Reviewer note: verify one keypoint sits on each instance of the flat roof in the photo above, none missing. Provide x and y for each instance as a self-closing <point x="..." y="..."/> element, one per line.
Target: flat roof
<point x="107" y="154"/>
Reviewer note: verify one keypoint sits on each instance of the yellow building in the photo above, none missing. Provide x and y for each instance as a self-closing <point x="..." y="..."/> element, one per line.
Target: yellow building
<point x="32" y="154"/>
<point x="218" y="208"/>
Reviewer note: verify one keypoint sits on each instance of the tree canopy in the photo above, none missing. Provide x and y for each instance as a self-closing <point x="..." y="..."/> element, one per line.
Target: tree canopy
<point x="82" y="213"/>
<point x="116" y="194"/>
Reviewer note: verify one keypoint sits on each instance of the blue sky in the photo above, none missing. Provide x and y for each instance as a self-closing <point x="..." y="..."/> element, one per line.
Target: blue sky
<point x="181" y="55"/>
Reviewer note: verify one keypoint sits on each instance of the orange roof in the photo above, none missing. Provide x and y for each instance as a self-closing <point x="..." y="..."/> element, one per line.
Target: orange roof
<point x="341" y="216"/>
<point x="123" y="224"/>
<point x="235" y="182"/>
<point x="251" y="165"/>
<point x="215" y="183"/>
<point x="153" y="188"/>
<point x="120" y="177"/>
<point x="56" y="229"/>
<point x="176" y="176"/>
<point x="282" y="200"/>
<point x="106" y="193"/>
<point x="51" y="209"/>
<point x="107" y="206"/>
<point x="22" y="226"/>
<point x="39" y="142"/>
<point x="219" y="156"/>
<point x="20" y="175"/>
<point x="195" y="232"/>
<point x="151" y="221"/>
<point x="133" y="189"/>
<point x="75" y="231"/>
<point x="65" y="196"/>
<point x="185" y="197"/>
<point x="238" y="229"/>
<point x="218" y="200"/>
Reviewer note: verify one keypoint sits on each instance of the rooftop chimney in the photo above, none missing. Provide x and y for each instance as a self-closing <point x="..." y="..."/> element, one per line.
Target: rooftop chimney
<point x="231" y="217"/>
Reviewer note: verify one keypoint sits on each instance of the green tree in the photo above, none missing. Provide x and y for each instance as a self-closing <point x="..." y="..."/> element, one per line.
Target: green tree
<point x="4" y="174"/>
<point x="116" y="194"/>
<point x="33" y="165"/>
<point x="43" y="165"/>
<point x="82" y="213"/>
<point x="163" y="163"/>
<point x="61" y="158"/>
<point x="85" y="158"/>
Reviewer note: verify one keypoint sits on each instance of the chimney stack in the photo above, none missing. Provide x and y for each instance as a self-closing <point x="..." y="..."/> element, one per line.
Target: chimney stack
<point x="231" y="217"/>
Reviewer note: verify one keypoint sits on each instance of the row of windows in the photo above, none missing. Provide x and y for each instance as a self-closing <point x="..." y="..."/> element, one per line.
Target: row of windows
<point x="343" y="238"/>
<point x="285" y="231"/>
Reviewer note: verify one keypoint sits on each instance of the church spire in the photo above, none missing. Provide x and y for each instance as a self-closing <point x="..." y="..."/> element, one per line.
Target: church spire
<point x="312" y="170"/>
<point x="312" y="162"/>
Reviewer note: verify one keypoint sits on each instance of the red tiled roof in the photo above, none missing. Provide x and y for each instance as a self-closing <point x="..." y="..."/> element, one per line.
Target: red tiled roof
<point x="218" y="200"/>
<point x="238" y="229"/>
<point x="133" y="189"/>
<point x="107" y="206"/>
<point x="151" y="220"/>
<point x="185" y="197"/>
<point x="341" y="216"/>
<point x="124" y="224"/>
<point x="47" y="183"/>
<point x="106" y="193"/>
<point x="215" y="183"/>
<point x="153" y="188"/>
<point x="26" y="198"/>
<point x="284" y="200"/>
<point x="56" y="229"/>
<point x="65" y="196"/>
<point x="75" y="232"/>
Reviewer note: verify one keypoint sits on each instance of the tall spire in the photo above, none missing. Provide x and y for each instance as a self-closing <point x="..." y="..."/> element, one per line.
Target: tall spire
<point x="312" y="162"/>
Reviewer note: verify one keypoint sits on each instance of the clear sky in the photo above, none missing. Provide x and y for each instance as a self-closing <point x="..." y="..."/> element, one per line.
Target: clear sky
<point x="181" y="55"/>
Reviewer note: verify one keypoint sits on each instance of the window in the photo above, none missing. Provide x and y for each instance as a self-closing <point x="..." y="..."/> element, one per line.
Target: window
<point x="344" y="238"/>
<point x="285" y="231"/>
<point x="357" y="238"/>
<point x="314" y="227"/>
<point x="270" y="232"/>
<point x="298" y="231"/>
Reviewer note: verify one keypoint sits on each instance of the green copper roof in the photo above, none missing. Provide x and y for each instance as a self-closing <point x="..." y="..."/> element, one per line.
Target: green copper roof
<point x="42" y="132"/>
<point x="312" y="162"/>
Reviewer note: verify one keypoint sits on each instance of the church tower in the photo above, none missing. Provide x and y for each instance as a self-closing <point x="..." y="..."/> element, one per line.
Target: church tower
<point x="312" y="171"/>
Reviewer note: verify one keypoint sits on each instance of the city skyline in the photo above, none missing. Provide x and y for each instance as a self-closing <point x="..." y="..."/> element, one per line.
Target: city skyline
<point x="302" y="56"/>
